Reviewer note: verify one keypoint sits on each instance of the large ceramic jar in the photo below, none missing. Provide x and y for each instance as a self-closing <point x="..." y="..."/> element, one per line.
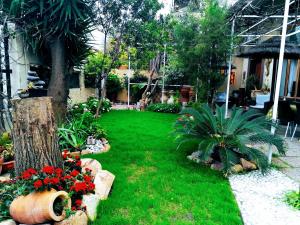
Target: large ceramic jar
<point x="38" y="207"/>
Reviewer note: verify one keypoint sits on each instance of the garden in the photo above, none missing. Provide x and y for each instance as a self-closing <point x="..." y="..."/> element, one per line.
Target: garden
<point x="138" y="131"/>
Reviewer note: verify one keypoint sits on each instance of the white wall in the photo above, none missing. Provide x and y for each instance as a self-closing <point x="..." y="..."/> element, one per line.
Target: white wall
<point x="20" y="60"/>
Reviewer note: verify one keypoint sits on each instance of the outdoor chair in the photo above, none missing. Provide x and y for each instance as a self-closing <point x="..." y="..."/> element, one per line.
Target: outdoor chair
<point x="293" y="125"/>
<point x="260" y="101"/>
<point x="220" y="98"/>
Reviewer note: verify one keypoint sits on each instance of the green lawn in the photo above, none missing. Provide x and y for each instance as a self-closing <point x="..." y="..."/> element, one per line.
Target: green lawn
<point x="155" y="183"/>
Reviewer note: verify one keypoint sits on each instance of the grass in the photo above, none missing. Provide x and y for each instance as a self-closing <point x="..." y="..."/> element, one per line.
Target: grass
<point x="155" y="183"/>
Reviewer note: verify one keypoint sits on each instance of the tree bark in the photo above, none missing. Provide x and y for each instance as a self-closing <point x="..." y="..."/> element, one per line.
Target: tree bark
<point x="58" y="86"/>
<point x="35" y="134"/>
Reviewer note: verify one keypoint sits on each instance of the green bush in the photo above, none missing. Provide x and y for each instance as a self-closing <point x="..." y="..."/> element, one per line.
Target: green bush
<point x="91" y="106"/>
<point x="165" y="108"/>
<point x="113" y="86"/>
<point x="73" y="134"/>
<point x="293" y="199"/>
<point x="227" y="140"/>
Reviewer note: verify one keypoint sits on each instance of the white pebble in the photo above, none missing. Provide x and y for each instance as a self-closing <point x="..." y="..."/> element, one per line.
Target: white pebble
<point x="260" y="198"/>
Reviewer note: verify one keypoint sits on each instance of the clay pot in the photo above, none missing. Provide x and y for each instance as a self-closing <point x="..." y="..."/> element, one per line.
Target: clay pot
<point x="37" y="207"/>
<point x="1" y="163"/>
<point x="7" y="166"/>
<point x="123" y="67"/>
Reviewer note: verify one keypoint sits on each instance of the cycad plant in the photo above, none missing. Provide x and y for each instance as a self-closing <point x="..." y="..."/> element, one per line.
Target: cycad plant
<point x="228" y="139"/>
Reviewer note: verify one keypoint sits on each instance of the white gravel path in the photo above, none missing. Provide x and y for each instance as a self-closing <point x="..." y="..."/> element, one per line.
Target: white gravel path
<point x="260" y="198"/>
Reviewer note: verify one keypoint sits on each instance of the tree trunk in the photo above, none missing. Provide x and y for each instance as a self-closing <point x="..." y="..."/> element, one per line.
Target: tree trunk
<point x="35" y="134"/>
<point x="154" y="67"/>
<point x="58" y="87"/>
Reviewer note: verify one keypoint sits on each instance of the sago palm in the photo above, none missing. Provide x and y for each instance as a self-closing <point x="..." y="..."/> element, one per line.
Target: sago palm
<point x="228" y="139"/>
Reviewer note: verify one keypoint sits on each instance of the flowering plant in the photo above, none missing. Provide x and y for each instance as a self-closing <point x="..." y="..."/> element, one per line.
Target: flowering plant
<point x="70" y="179"/>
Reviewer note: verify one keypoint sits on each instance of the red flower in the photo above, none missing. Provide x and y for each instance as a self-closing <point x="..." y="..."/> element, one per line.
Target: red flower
<point x="78" y="202"/>
<point x="32" y="171"/>
<point x="87" y="178"/>
<point x="65" y="156"/>
<point x="73" y="208"/>
<point x="80" y="187"/>
<point x="47" y="180"/>
<point x="54" y="180"/>
<point x="58" y="171"/>
<point x="38" y="184"/>
<point x="67" y="177"/>
<point x="26" y="175"/>
<point x="78" y="163"/>
<point x="91" y="186"/>
<point x="66" y="151"/>
<point x="60" y="188"/>
<point x="48" y="169"/>
<point x="77" y="157"/>
<point x="74" y="173"/>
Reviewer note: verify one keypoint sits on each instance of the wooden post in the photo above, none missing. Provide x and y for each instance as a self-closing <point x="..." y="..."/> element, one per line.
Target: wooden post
<point x="35" y="134"/>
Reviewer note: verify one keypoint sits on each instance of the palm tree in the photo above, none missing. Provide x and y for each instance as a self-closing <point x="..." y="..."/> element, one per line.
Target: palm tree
<point x="228" y="140"/>
<point x="60" y="28"/>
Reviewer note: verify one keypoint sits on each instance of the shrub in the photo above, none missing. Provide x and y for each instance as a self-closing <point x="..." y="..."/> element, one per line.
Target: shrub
<point x="292" y="198"/>
<point x="113" y="86"/>
<point x="91" y="105"/>
<point x="73" y="134"/>
<point x="163" y="107"/>
<point x="227" y="140"/>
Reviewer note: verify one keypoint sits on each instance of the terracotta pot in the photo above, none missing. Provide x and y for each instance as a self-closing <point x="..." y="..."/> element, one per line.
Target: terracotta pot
<point x="7" y="166"/>
<point x="37" y="207"/>
<point x="123" y="67"/>
<point x="184" y="92"/>
<point x="1" y="163"/>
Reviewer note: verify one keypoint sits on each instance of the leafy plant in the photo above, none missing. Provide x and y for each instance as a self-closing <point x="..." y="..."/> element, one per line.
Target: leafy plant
<point x="293" y="199"/>
<point x="73" y="134"/>
<point x="90" y="106"/>
<point x="227" y="139"/>
<point x="6" y="147"/>
<point x="113" y="86"/>
<point x="163" y="107"/>
<point x="69" y="139"/>
<point x="8" y="191"/>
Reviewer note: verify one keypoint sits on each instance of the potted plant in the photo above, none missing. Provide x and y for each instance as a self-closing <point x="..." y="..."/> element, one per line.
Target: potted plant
<point x="1" y="162"/>
<point x="6" y="153"/>
<point x="50" y="193"/>
<point x="8" y="157"/>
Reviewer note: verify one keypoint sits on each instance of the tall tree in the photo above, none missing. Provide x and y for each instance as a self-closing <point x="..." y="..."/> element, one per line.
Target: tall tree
<point x="60" y="28"/>
<point x="202" y="45"/>
<point x="118" y="20"/>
